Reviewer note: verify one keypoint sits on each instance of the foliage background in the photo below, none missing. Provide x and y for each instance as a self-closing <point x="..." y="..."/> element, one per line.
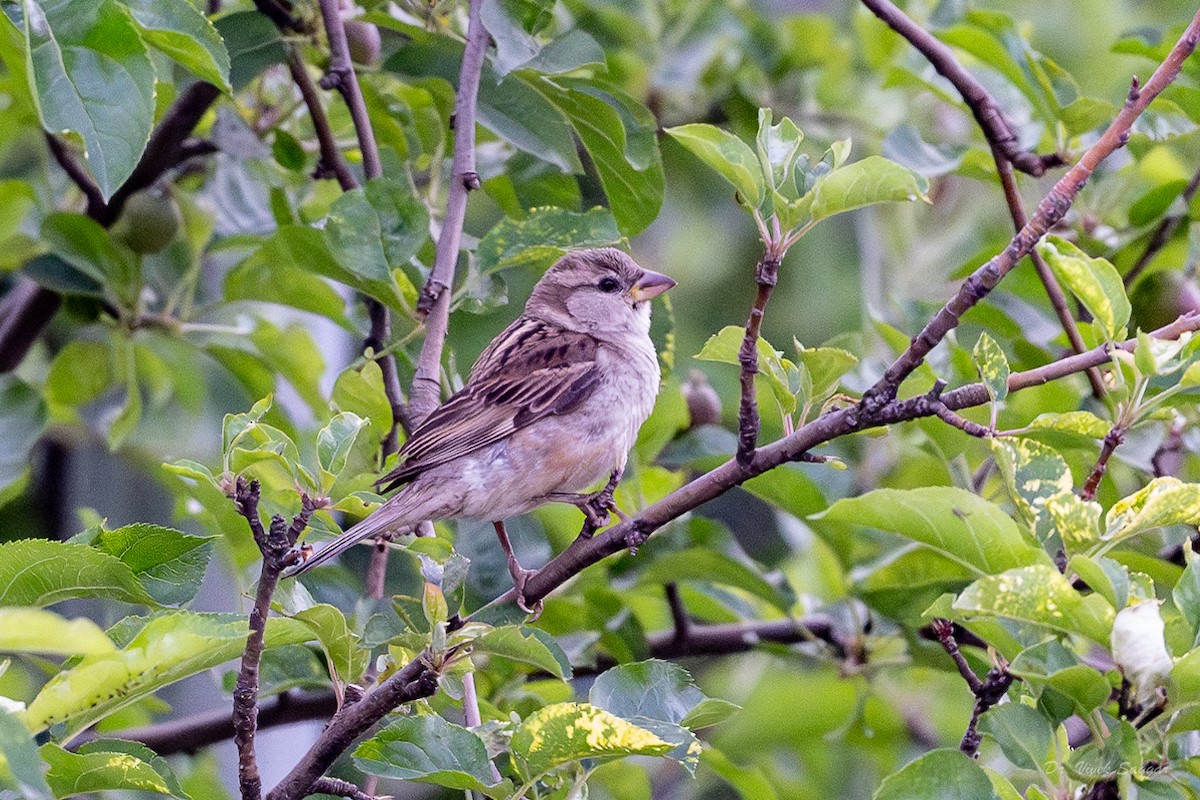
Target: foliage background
<point x="811" y="724"/>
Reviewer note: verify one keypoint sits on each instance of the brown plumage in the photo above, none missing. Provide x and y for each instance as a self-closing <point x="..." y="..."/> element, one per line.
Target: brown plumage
<point x="551" y="407"/>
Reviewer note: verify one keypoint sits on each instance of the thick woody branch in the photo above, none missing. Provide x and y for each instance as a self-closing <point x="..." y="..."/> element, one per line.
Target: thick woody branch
<point x="435" y="296"/>
<point x="582" y="553"/>
<point x="766" y="275"/>
<point x="340" y="788"/>
<point x="1000" y="132"/>
<point x="78" y="174"/>
<point x="1050" y="211"/>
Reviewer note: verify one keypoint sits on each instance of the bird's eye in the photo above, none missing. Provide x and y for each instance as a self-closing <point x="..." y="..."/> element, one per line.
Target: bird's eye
<point x="609" y="285"/>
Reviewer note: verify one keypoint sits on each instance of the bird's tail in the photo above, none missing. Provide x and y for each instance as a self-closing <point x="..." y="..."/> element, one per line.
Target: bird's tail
<point x="374" y="525"/>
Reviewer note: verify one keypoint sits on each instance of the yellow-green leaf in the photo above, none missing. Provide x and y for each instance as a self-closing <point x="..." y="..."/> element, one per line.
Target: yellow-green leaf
<point x="33" y="630"/>
<point x="1164" y="501"/>
<point x="1042" y="595"/>
<point x="565" y="732"/>
<point x="993" y="367"/>
<point x="1094" y="281"/>
<point x="728" y="155"/>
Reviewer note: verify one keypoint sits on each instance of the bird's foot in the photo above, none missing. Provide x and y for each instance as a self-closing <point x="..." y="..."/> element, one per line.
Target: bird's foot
<point x="635" y="538"/>
<point x="597" y="505"/>
<point x="520" y="577"/>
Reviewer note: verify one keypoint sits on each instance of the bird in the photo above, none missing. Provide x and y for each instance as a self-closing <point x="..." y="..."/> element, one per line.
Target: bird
<point x="551" y="407"/>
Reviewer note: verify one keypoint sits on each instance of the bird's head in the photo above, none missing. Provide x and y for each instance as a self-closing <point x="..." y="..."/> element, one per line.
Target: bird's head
<point x="597" y="291"/>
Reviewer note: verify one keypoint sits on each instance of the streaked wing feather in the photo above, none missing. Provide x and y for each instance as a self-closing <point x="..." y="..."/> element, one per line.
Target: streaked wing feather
<point x="532" y="370"/>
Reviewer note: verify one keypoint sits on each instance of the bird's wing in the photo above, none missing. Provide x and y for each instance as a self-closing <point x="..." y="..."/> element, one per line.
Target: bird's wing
<point x="530" y="371"/>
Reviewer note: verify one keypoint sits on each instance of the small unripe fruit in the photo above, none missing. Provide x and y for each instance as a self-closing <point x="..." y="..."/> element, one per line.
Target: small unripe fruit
<point x="363" y="38"/>
<point x="148" y="222"/>
<point x="703" y="402"/>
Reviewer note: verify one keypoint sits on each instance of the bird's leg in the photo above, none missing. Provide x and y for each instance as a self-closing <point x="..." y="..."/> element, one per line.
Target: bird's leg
<point x="519" y="574"/>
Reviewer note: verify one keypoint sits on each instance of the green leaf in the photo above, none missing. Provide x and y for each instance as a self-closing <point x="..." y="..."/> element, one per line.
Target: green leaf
<point x="178" y="29"/>
<point x="542" y="237"/>
<point x="73" y="774"/>
<point x="427" y="749"/>
<point x="657" y="690"/>
<point x="1094" y="281"/>
<point x="168" y="648"/>
<point x="611" y="126"/>
<point x="1164" y="501"/>
<point x="168" y="563"/>
<point x="253" y="43"/>
<point x="708" y="566"/>
<point x="32" y="630"/>
<point x="1051" y="665"/>
<point x="373" y="231"/>
<point x="872" y="180"/>
<point x="728" y="155"/>
<point x="749" y="782"/>
<point x="23" y="417"/>
<point x="825" y="365"/>
<point x="80" y="372"/>
<point x="36" y="572"/>
<point x="565" y="732"/>
<point x="90" y="73"/>
<point x="960" y="525"/>
<point x="87" y="246"/>
<point x="336" y="441"/>
<point x="938" y="775"/>
<point x="275" y="273"/>
<point x="524" y="646"/>
<point x="1033" y="473"/>
<point x="347" y="658"/>
<point x="1022" y="733"/>
<point x="1042" y="595"/>
<point x="993" y="367"/>
<point x="773" y="368"/>
<point x="1117" y="754"/>
<point x="24" y="764"/>
<point x="360" y="391"/>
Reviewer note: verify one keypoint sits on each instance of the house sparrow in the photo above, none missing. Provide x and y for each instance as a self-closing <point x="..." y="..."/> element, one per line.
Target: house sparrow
<point x="551" y="407"/>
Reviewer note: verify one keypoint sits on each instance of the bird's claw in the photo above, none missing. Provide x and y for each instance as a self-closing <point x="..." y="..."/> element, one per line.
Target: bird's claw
<point x="635" y="538"/>
<point x="520" y="577"/>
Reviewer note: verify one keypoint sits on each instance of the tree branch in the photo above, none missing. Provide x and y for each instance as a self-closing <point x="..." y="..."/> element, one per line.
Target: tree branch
<point x="1112" y="440"/>
<point x="1000" y="132"/>
<point x="77" y="173"/>
<point x="435" y="296"/>
<point x="988" y="692"/>
<point x="582" y="553"/>
<point x="1052" y="209"/>
<point x="1058" y="301"/>
<point x="274" y="543"/>
<point x="766" y="275"/>
<point x="331" y="156"/>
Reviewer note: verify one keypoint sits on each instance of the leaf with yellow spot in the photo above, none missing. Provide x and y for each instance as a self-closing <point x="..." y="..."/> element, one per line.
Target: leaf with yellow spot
<point x="1033" y="473"/>
<point x="1076" y="520"/>
<point x="1094" y="281"/>
<point x="1039" y="594"/>
<point x="1083" y="423"/>
<point x="565" y="732"/>
<point x="993" y="367"/>
<point x="1163" y="501"/>
<point x="73" y="774"/>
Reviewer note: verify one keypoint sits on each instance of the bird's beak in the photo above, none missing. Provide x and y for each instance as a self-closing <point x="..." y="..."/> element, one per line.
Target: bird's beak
<point x="650" y="285"/>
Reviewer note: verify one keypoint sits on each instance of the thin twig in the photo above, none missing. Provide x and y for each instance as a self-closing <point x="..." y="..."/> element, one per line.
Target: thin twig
<point x="1052" y="209"/>
<point x="1058" y="301"/>
<point x="988" y="692"/>
<point x="1167" y="227"/>
<point x="331" y="156"/>
<point x="341" y="77"/>
<point x="680" y="620"/>
<point x="766" y="275"/>
<point x="1000" y="132"/>
<point x="340" y="788"/>
<point x="1112" y="440"/>
<point x="78" y="174"/>
<point x="435" y="296"/>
